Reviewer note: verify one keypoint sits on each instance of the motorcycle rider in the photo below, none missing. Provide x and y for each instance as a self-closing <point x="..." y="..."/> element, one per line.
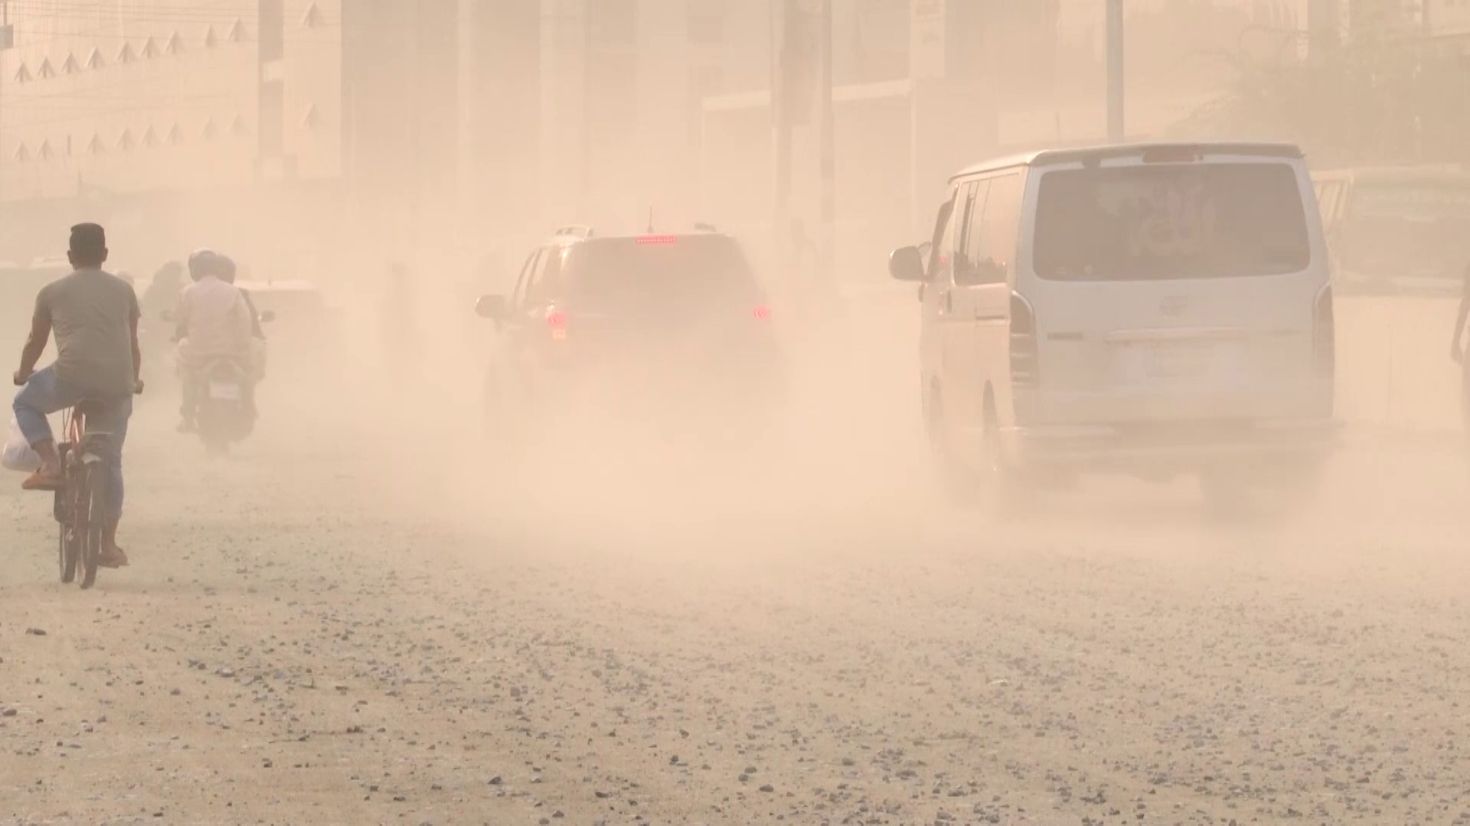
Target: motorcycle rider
<point x="257" y="344"/>
<point x="94" y="316"/>
<point x="227" y="272"/>
<point x="162" y="295"/>
<point x="213" y="323"/>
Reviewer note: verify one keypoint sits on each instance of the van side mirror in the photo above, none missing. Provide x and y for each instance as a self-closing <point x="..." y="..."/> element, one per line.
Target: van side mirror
<point x="492" y="307"/>
<point x="907" y="264"/>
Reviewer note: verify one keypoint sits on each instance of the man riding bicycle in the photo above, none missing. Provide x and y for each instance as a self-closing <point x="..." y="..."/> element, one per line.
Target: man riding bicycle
<point x="94" y="316"/>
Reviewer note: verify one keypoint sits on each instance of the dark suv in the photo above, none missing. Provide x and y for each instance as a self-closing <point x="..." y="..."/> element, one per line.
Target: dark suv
<point x="665" y="329"/>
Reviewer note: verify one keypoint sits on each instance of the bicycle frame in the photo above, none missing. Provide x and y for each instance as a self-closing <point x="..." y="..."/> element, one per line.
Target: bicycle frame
<point x="81" y="499"/>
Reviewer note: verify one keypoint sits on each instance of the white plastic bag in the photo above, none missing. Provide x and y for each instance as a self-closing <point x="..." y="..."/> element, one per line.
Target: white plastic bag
<point x="18" y="454"/>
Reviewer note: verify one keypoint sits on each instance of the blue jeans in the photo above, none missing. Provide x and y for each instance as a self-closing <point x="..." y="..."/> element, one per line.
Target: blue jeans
<point x="45" y="394"/>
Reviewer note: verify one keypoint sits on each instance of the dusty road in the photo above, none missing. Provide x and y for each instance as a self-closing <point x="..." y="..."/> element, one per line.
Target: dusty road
<point x="322" y="630"/>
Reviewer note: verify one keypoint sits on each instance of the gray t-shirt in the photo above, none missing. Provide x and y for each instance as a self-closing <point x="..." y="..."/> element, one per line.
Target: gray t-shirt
<point x="91" y="314"/>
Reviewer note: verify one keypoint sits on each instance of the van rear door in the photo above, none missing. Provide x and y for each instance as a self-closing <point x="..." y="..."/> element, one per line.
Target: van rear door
<point x="1181" y="286"/>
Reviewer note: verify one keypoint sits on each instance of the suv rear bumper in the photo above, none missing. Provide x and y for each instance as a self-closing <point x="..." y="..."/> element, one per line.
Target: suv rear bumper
<point x="1172" y="446"/>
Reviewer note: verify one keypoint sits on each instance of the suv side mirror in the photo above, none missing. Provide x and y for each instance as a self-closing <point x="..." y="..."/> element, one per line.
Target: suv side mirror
<point x="907" y="264"/>
<point x="492" y="307"/>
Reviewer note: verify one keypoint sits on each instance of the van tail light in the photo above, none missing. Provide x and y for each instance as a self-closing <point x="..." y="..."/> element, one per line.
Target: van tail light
<point x="762" y="312"/>
<point x="1324" y="334"/>
<point x="1025" y="370"/>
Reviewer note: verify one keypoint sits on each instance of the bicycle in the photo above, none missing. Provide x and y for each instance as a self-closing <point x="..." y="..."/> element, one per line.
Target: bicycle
<point x="81" y="501"/>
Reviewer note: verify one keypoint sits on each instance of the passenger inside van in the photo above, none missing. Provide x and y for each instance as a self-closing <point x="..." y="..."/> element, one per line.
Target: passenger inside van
<point x="1169" y="222"/>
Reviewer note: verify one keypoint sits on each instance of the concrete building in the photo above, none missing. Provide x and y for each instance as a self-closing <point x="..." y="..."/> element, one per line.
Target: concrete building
<point x="157" y="117"/>
<point x="412" y="124"/>
<point x="1447" y="18"/>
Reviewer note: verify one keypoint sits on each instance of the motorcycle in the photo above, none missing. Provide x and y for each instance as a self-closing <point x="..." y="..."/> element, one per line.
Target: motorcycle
<point x="226" y="405"/>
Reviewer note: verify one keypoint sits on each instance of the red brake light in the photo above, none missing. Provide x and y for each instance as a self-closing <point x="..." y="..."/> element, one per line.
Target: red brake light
<point x="556" y="321"/>
<point x="656" y="240"/>
<point x="1171" y="154"/>
<point x="762" y="312"/>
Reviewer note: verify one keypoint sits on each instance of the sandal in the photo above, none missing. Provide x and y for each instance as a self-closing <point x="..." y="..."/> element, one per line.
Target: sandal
<point x="42" y="481"/>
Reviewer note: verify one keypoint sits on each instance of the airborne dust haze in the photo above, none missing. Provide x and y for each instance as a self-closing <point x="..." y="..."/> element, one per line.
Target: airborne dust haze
<point x="384" y="605"/>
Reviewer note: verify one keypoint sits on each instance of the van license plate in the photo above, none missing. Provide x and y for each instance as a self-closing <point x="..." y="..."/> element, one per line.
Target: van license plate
<point x="224" y="391"/>
<point x="1174" y="362"/>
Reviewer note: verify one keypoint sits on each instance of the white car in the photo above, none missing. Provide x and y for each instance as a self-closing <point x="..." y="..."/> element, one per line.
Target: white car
<point x="1147" y="309"/>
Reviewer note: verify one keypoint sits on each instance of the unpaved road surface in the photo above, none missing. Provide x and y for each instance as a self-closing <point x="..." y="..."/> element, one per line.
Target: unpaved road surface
<point x="319" y="629"/>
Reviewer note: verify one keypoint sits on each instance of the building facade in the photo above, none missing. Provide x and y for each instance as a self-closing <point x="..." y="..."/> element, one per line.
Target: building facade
<point x="149" y="114"/>
<point x="408" y="124"/>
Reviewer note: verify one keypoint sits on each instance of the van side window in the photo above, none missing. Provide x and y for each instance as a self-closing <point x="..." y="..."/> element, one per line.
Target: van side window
<point x="546" y="279"/>
<point x="938" y="264"/>
<point x="945" y="243"/>
<point x="523" y="281"/>
<point x="991" y="240"/>
<point x="968" y="207"/>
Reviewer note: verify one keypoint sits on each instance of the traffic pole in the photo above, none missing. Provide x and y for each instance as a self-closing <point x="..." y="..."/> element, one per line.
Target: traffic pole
<point x="1116" y="130"/>
<point x="827" y="125"/>
<point x="781" y="12"/>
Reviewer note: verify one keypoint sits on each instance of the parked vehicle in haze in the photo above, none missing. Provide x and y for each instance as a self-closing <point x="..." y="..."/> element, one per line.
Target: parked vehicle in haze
<point x="1153" y="310"/>
<point x="1400" y="243"/>
<point x="1397" y="230"/>
<point x="298" y="308"/>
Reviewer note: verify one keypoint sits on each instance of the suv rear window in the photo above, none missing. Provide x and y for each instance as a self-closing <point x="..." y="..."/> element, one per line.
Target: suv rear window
<point x="1175" y="221"/>
<point x="659" y="272"/>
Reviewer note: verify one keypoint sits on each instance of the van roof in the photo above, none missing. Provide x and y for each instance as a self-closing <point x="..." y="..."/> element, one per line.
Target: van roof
<point x="571" y="239"/>
<point x="1045" y="157"/>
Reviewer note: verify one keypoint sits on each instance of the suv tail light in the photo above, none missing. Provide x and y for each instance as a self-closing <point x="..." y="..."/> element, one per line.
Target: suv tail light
<point x="1025" y="370"/>
<point x="1324" y="334"/>
<point x="556" y="323"/>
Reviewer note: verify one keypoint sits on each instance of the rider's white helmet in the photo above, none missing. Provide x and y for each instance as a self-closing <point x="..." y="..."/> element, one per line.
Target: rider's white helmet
<point x="202" y="262"/>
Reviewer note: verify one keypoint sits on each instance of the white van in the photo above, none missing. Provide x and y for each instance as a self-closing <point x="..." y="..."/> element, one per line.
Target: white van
<point x="1149" y="309"/>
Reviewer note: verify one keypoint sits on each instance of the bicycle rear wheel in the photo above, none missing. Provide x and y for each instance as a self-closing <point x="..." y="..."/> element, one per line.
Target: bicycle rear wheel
<point x="92" y="505"/>
<point x="68" y="551"/>
<point x="68" y="541"/>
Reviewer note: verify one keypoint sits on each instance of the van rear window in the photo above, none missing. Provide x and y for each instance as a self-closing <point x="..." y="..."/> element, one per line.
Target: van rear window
<point x="1170" y="221"/>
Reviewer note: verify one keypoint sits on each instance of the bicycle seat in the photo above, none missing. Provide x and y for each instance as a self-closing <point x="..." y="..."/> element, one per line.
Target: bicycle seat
<point x="96" y="443"/>
<point x="91" y="410"/>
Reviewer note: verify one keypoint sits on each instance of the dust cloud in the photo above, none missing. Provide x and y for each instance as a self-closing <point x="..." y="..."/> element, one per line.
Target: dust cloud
<point x="385" y="603"/>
